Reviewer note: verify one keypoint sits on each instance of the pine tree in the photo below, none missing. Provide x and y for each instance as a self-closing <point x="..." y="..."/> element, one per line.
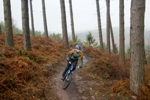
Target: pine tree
<point x="25" y="25"/>
<point x="137" y="46"/>
<point x="8" y="23"/>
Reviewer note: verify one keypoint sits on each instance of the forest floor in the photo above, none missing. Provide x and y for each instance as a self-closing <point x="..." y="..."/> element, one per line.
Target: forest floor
<point x="36" y="74"/>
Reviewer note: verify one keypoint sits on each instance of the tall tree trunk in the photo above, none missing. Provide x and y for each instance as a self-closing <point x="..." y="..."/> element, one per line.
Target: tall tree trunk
<point x="0" y="28"/>
<point x="44" y="19"/>
<point x="64" y="23"/>
<point x="72" y="21"/>
<point x="99" y="25"/>
<point x="137" y="45"/>
<point x="112" y="37"/>
<point x="32" y="19"/>
<point x="108" y="26"/>
<point x="25" y="25"/>
<point x="8" y="23"/>
<point x="121" y="39"/>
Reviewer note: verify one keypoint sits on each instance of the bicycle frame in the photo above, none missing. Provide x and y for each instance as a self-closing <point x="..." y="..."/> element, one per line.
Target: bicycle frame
<point x="69" y="70"/>
<point x="68" y="77"/>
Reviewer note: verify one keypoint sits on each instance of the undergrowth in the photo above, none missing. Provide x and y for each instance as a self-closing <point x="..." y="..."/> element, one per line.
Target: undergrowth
<point x="112" y="78"/>
<point x="23" y="74"/>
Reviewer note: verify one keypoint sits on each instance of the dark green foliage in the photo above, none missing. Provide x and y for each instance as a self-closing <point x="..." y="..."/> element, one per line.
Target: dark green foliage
<point x="0" y="29"/>
<point x="31" y="56"/>
<point x="20" y="52"/>
<point x="38" y="33"/>
<point x="105" y="46"/>
<point x="89" y="39"/>
<point x="2" y="26"/>
<point x="127" y="52"/>
<point x="55" y="36"/>
<point x="116" y="49"/>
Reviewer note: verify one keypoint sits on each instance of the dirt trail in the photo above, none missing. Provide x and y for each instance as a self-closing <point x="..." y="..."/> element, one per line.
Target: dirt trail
<point x="74" y="89"/>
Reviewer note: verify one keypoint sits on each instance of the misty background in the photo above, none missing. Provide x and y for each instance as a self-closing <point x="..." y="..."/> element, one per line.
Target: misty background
<point x="85" y="17"/>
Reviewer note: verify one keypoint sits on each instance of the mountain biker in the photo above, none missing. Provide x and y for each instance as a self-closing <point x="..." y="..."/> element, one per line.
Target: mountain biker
<point x="73" y="56"/>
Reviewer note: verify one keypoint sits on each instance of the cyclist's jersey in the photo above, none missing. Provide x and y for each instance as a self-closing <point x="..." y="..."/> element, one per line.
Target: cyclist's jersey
<point x="75" y="55"/>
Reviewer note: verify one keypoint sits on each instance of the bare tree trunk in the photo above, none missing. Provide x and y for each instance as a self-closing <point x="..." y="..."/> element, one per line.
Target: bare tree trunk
<point x="99" y="25"/>
<point x="137" y="45"/>
<point x="8" y="23"/>
<point x="44" y="19"/>
<point x="108" y="26"/>
<point x="25" y="25"/>
<point x="32" y="19"/>
<point x="112" y="37"/>
<point x="72" y="21"/>
<point x="64" y="23"/>
<point x="121" y="41"/>
<point x="0" y="29"/>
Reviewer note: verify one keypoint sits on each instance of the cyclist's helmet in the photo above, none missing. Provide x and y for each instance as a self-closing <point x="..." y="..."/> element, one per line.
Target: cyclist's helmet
<point x="79" y="47"/>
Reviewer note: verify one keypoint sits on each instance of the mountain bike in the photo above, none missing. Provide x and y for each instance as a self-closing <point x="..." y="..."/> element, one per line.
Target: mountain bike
<point x="67" y="77"/>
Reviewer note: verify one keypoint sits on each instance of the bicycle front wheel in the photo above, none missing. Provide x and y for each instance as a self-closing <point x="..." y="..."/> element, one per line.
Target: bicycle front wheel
<point x="66" y="81"/>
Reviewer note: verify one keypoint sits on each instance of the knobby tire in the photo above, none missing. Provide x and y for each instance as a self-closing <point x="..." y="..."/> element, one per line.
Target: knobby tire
<point x="66" y="82"/>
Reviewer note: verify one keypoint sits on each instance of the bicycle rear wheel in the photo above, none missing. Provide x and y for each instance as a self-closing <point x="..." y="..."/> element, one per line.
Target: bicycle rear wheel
<point x="66" y="81"/>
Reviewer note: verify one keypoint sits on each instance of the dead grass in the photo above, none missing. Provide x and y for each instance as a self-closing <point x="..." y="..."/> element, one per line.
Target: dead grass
<point x="112" y="77"/>
<point x="23" y="74"/>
